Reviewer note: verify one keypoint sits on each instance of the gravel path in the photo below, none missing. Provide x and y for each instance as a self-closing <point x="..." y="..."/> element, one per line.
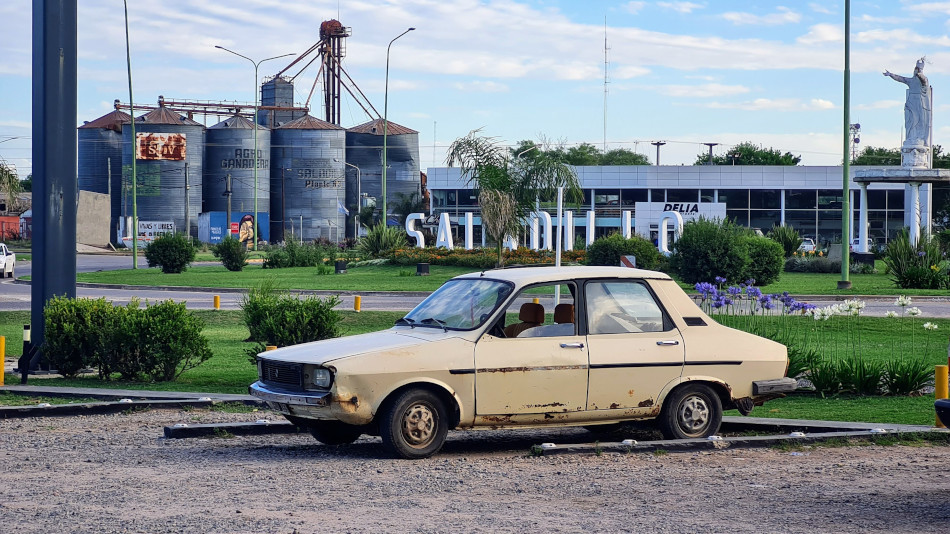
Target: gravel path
<point x="116" y="473"/>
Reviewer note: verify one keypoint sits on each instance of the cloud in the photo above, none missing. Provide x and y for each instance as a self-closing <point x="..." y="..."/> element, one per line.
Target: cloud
<point x="481" y="87"/>
<point x="822" y="34"/>
<point x="681" y="7"/>
<point x="929" y="8"/>
<point x="708" y="90"/>
<point x="634" y="7"/>
<point x="783" y="16"/>
<point x="881" y="104"/>
<point x="819" y="8"/>
<point x="777" y="104"/>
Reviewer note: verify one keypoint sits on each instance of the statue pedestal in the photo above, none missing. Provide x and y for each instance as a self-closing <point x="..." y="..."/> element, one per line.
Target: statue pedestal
<point x="915" y="156"/>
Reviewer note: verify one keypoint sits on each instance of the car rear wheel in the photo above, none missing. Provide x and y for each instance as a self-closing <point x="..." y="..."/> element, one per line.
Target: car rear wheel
<point x="414" y="425"/>
<point x="334" y="432"/>
<point x="692" y="411"/>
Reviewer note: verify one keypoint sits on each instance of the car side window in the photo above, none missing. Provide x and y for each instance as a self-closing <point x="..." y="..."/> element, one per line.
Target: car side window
<point x="533" y="312"/>
<point x="622" y="307"/>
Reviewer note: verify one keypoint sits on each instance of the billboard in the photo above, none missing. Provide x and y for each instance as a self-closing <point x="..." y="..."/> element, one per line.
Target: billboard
<point x="148" y="231"/>
<point x="160" y="146"/>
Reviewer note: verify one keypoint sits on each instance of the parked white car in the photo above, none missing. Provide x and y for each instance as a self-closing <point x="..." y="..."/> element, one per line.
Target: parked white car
<point x="621" y="344"/>
<point x="808" y="245"/>
<point x="7" y="261"/>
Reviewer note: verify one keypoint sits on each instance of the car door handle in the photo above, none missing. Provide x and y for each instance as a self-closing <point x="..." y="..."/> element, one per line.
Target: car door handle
<point x="668" y="342"/>
<point x="572" y="345"/>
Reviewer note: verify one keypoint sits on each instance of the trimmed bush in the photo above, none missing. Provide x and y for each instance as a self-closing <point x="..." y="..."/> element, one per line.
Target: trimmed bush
<point x="156" y="343"/>
<point x="710" y="248"/>
<point x="608" y="250"/>
<point x="380" y="240"/>
<point x="919" y="266"/>
<point x="766" y="259"/>
<point x="173" y="253"/>
<point x="232" y="253"/>
<point x="293" y="254"/>
<point x="478" y="258"/>
<point x="276" y="317"/>
<point x="787" y="237"/>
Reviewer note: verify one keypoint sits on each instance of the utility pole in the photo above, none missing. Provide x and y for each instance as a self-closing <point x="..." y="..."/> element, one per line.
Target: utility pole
<point x="658" y="144"/>
<point x="227" y="193"/>
<point x="710" y="145"/>
<point x="187" y="204"/>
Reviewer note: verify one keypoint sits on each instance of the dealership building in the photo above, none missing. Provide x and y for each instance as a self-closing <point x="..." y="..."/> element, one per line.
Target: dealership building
<point x="808" y="199"/>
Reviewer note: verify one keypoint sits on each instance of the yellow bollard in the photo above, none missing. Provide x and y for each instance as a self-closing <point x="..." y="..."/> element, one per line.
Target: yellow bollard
<point x="537" y="300"/>
<point x="217" y="302"/>
<point x="940" y="386"/>
<point x="3" y="357"/>
<point x="270" y="347"/>
<point x="357" y="302"/>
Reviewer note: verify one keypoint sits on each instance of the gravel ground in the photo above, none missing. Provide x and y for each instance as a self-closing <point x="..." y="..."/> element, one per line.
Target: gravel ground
<point x="116" y="473"/>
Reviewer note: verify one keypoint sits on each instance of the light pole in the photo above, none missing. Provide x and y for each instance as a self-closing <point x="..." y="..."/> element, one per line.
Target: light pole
<point x="658" y="144"/>
<point x="359" y="201"/>
<point x="256" y="163"/>
<point x="386" y="121"/>
<point x="710" y="145"/>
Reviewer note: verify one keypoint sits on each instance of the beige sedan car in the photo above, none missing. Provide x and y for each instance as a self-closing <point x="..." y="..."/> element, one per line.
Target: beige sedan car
<point x="527" y="347"/>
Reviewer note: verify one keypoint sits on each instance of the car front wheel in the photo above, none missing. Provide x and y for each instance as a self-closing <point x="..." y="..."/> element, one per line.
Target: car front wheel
<point x="692" y="411"/>
<point x="414" y="425"/>
<point x="334" y="432"/>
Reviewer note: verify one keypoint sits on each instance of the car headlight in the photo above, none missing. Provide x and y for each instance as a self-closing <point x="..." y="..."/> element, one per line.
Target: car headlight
<point x="318" y="377"/>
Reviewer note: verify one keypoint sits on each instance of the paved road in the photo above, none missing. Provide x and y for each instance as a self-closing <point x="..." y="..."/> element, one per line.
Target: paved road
<point x="16" y="296"/>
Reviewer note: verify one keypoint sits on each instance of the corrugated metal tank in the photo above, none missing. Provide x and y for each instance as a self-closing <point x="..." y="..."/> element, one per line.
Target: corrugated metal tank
<point x="229" y="149"/>
<point x="277" y="91"/>
<point x="307" y="180"/>
<point x="161" y="183"/>
<point x="100" y="161"/>
<point x="364" y="148"/>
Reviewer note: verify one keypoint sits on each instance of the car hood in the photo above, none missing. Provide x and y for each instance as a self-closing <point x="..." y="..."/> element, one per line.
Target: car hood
<point x="320" y="352"/>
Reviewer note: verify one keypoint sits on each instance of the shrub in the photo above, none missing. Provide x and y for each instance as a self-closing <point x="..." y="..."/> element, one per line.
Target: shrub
<point x="232" y="253"/>
<point x="608" y="250"/>
<point x="919" y="266"/>
<point x="811" y="264"/>
<point x="861" y="376"/>
<point x="478" y="258"/>
<point x="293" y="254"/>
<point x="766" y="260"/>
<point x="381" y="240"/>
<point x="905" y="377"/>
<point x="276" y="317"/>
<point x="787" y="237"/>
<point x="710" y="248"/>
<point x="156" y="343"/>
<point x="171" y="252"/>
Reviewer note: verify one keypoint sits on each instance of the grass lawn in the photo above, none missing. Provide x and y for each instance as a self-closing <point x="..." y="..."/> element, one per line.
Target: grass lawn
<point x="229" y="371"/>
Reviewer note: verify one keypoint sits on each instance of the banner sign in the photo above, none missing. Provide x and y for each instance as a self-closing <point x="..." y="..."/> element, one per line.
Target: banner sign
<point x="160" y="146"/>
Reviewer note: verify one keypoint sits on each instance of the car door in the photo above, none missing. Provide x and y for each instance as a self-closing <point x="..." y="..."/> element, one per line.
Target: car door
<point x="634" y="348"/>
<point x="543" y="370"/>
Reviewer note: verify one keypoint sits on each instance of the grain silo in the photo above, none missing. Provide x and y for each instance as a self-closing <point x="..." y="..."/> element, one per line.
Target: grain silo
<point x="364" y="148"/>
<point x="278" y="91"/>
<point x="229" y="151"/>
<point x="307" y="180"/>
<point x="100" y="161"/>
<point x="169" y="152"/>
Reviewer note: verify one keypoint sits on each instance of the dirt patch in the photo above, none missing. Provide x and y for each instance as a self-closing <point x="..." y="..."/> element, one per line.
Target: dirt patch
<point x="116" y="473"/>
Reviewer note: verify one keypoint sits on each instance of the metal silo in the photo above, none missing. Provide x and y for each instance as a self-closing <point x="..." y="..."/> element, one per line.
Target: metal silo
<point x="100" y="161"/>
<point x="364" y="148"/>
<point x="169" y="162"/>
<point x="229" y="150"/>
<point x="277" y="91"/>
<point x="307" y="180"/>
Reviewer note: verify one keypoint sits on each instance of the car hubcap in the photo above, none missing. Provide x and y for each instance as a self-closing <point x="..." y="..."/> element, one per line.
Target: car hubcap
<point x="694" y="414"/>
<point x="419" y="425"/>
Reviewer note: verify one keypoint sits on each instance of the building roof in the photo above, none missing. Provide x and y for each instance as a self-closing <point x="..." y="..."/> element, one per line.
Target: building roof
<point x="237" y="122"/>
<point x="110" y="121"/>
<point x="309" y="122"/>
<point x="163" y="115"/>
<point x="376" y="127"/>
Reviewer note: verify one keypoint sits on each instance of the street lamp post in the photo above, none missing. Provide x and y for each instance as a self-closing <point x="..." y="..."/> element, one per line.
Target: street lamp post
<point x="710" y="145"/>
<point x="256" y="162"/>
<point x="359" y="201"/>
<point x="658" y="144"/>
<point x="386" y="121"/>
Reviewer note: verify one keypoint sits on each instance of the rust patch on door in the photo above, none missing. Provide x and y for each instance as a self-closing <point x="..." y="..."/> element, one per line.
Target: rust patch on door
<point x="630" y="393"/>
<point x="526" y="369"/>
<point x="646" y="404"/>
<point x="614" y="406"/>
<point x="549" y="405"/>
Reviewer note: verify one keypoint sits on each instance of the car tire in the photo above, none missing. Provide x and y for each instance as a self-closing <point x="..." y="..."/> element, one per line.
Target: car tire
<point x="414" y="425"/>
<point x="691" y="411"/>
<point x="334" y="432"/>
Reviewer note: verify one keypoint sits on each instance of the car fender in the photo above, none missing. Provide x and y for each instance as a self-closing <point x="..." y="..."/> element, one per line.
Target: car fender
<point x="465" y="419"/>
<point x="694" y="378"/>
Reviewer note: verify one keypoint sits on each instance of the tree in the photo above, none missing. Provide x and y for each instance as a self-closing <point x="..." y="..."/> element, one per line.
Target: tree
<point x="527" y="176"/>
<point x="878" y="156"/>
<point x="10" y="184"/>
<point x="406" y="204"/>
<point x="748" y="153"/>
<point x="583" y="154"/>
<point x="623" y="156"/>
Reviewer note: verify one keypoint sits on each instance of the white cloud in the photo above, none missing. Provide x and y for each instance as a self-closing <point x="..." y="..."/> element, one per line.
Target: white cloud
<point x="681" y="7"/>
<point x="929" y="8"/>
<point x="481" y="87"/>
<point x="777" y="104"/>
<point x="881" y="104"/>
<point x="708" y="90"/>
<point x="822" y="34"/>
<point x="819" y="8"/>
<point x="634" y="7"/>
<point x="782" y="16"/>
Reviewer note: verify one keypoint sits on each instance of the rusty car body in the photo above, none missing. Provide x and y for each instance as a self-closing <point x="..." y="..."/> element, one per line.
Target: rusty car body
<point x="621" y="344"/>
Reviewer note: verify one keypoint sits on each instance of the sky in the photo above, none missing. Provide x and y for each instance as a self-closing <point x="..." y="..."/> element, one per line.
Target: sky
<point x="619" y="74"/>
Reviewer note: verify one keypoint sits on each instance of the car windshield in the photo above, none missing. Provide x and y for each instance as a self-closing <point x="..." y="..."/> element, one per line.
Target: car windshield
<point x="462" y="304"/>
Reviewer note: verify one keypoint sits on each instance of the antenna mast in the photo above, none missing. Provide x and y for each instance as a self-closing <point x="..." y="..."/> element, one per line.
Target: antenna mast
<point x="606" y="81"/>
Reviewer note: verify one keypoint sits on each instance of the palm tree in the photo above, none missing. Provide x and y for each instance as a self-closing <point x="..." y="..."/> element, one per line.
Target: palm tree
<point x="526" y="178"/>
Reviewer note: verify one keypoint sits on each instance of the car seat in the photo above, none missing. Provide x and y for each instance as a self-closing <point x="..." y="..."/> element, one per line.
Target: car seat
<point x="530" y="315"/>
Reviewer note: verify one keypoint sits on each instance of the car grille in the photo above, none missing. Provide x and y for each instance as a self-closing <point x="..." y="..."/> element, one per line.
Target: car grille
<point x="282" y="373"/>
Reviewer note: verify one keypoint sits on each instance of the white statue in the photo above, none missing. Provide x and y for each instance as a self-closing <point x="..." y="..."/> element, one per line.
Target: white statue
<point x="917" y="109"/>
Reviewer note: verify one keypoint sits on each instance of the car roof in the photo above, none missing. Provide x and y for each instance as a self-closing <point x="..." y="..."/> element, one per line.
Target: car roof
<point x="531" y="275"/>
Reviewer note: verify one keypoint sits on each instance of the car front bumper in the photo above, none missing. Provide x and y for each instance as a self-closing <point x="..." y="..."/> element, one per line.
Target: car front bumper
<point x="310" y="404"/>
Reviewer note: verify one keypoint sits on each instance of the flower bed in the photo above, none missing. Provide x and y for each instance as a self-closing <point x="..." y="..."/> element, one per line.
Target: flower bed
<point x="480" y="258"/>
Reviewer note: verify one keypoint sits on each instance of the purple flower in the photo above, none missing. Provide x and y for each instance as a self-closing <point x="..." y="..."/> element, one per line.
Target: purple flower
<point x="706" y="289"/>
<point x="734" y="290"/>
<point x="921" y="253"/>
<point x="753" y="292"/>
<point x="750" y="282"/>
<point x="720" y="280"/>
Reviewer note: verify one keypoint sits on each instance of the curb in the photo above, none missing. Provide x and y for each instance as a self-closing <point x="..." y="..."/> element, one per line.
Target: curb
<point x="261" y="427"/>
<point x="97" y="408"/>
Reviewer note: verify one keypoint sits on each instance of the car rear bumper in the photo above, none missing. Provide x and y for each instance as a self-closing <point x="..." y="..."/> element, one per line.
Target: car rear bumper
<point x="776" y="385"/>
